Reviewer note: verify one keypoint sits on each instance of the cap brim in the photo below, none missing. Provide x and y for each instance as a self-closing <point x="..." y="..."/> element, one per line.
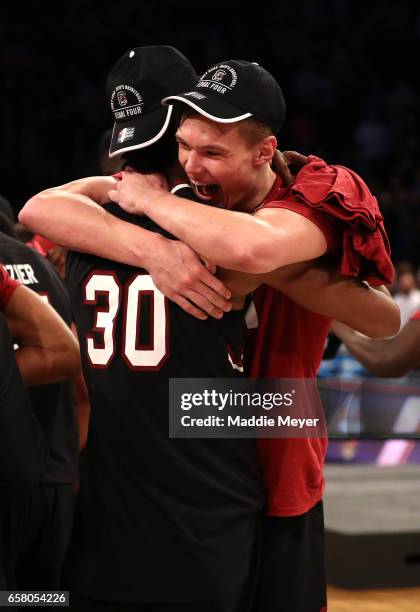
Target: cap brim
<point x="210" y="106"/>
<point x="146" y="130"/>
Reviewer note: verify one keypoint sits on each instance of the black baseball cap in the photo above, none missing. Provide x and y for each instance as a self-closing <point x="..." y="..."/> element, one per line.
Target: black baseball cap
<point x="135" y="87"/>
<point x="234" y="90"/>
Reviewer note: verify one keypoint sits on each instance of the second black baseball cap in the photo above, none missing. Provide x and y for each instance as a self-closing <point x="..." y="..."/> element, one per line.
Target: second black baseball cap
<point x="135" y="87"/>
<point x="234" y="90"/>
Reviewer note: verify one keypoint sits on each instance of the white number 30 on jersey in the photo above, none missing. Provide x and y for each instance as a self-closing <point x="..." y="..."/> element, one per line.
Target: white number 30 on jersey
<point x="101" y="341"/>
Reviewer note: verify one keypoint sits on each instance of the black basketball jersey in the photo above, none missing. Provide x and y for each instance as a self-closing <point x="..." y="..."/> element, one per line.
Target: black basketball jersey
<point x="23" y="447"/>
<point x="158" y="519"/>
<point x="53" y="403"/>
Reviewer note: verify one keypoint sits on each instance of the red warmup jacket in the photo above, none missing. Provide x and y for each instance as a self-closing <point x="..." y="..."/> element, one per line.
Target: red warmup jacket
<point x="287" y="341"/>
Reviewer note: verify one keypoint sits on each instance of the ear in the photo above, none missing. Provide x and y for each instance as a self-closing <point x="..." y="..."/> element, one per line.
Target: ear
<point x="265" y="151"/>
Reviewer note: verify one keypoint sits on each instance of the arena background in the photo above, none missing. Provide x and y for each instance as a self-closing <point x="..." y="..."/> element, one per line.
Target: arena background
<point x="349" y="71"/>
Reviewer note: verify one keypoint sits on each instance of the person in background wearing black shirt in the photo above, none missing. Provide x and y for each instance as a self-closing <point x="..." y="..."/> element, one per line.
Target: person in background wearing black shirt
<point x="47" y="352"/>
<point x="54" y="408"/>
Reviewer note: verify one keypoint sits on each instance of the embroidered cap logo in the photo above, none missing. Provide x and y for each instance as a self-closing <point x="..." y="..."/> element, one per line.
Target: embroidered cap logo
<point x="218" y="75"/>
<point x="122" y="98"/>
<point x="219" y="79"/>
<point x="126" y="102"/>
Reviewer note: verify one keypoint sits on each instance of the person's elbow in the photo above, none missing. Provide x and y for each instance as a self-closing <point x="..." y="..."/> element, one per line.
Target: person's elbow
<point x="29" y="215"/>
<point x="36" y="212"/>
<point x="386" y="325"/>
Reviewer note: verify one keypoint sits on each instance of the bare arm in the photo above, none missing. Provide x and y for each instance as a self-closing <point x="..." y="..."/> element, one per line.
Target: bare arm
<point x="248" y="243"/>
<point x="70" y="215"/>
<point x="369" y="310"/>
<point x="388" y="358"/>
<point x="322" y="290"/>
<point x="48" y="351"/>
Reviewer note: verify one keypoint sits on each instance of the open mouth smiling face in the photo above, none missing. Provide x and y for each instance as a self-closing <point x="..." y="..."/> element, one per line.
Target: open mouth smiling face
<point x="205" y="191"/>
<point x="215" y="159"/>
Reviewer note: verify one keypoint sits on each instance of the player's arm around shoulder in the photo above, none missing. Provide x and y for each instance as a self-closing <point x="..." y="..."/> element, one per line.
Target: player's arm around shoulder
<point x="72" y="216"/>
<point x="59" y="211"/>
<point x="95" y="188"/>
<point x="48" y="351"/>
<point x="231" y="239"/>
<point x="321" y="288"/>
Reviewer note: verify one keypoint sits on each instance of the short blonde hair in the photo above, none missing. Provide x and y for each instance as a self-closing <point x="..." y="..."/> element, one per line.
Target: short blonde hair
<point x="253" y="131"/>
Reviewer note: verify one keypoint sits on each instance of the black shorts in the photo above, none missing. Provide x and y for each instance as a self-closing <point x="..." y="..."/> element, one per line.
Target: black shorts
<point x="42" y="563"/>
<point x="238" y="601"/>
<point x="292" y="566"/>
<point x="35" y="525"/>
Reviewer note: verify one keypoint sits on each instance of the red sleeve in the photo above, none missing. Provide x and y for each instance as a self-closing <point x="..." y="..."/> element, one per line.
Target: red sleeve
<point x="341" y="195"/>
<point x="415" y="316"/>
<point x="7" y="287"/>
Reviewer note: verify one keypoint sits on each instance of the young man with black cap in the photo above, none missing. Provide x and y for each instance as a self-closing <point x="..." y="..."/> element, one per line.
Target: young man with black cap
<point x="166" y="525"/>
<point x="51" y="194"/>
